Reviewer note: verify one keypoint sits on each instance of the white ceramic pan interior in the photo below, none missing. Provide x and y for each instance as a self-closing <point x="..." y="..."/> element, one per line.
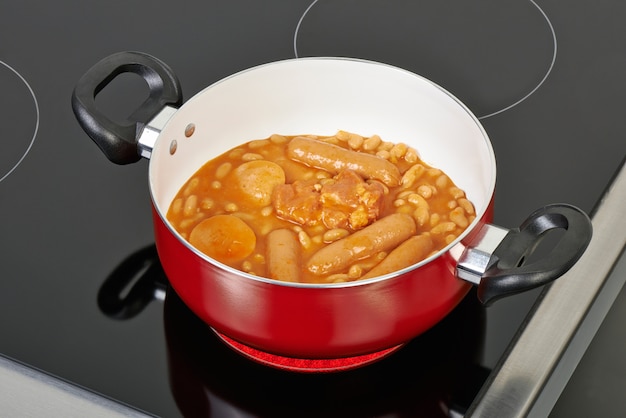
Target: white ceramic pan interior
<point x="321" y="96"/>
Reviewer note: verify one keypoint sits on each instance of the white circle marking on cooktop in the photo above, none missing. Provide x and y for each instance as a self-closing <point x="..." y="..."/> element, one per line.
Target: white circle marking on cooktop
<point x="494" y="113"/>
<point x="550" y="67"/>
<point x="29" y="145"/>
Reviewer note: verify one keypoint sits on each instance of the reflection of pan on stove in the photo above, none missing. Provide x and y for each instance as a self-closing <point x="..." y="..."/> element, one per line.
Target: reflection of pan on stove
<point x="421" y="379"/>
<point x="133" y="284"/>
<point x="428" y="376"/>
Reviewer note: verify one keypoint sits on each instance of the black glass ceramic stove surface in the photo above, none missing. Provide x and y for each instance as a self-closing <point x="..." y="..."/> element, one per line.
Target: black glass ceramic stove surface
<point x="545" y="79"/>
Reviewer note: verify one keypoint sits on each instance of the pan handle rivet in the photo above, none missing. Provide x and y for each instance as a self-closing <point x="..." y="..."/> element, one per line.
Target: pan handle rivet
<point x="173" y="147"/>
<point x="190" y="129"/>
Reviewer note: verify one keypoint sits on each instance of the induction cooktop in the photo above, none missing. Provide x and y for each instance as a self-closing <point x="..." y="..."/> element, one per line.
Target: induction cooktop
<point x="544" y="79"/>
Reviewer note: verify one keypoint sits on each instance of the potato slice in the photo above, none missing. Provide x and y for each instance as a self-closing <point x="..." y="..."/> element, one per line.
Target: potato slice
<point x="224" y="237"/>
<point x="257" y="180"/>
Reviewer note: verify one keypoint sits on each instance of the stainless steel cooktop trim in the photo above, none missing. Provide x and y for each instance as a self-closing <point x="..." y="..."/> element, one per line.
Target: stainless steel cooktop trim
<point x="27" y="392"/>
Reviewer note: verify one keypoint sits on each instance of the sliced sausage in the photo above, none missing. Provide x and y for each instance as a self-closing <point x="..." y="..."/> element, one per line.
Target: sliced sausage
<point x="382" y="235"/>
<point x="333" y="159"/>
<point x="411" y="251"/>
<point x="283" y="255"/>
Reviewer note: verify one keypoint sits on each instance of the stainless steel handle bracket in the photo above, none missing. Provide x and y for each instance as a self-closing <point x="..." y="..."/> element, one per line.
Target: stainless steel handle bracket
<point x="150" y="133"/>
<point x="472" y="262"/>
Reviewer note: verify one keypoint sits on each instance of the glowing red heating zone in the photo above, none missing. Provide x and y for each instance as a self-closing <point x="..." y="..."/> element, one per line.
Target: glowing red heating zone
<point x="307" y="365"/>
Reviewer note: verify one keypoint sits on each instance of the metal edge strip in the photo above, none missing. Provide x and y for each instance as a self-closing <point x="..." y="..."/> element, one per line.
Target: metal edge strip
<point x="28" y="392"/>
<point x="544" y="353"/>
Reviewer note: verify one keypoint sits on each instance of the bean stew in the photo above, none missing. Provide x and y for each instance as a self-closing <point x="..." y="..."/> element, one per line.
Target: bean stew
<point x="320" y="209"/>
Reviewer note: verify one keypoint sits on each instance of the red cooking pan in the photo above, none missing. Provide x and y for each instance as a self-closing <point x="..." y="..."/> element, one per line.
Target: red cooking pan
<point x="321" y="96"/>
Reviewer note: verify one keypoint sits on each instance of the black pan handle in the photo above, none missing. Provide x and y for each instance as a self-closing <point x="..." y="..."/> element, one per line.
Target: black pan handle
<point x="508" y="274"/>
<point x="118" y="141"/>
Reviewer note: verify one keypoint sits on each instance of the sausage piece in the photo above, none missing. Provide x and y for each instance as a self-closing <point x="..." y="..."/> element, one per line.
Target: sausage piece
<point x="411" y="251"/>
<point x="334" y="159"/>
<point x="224" y="237"/>
<point x="282" y="255"/>
<point x="382" y="235"/>
<point x="257" y="179"/>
